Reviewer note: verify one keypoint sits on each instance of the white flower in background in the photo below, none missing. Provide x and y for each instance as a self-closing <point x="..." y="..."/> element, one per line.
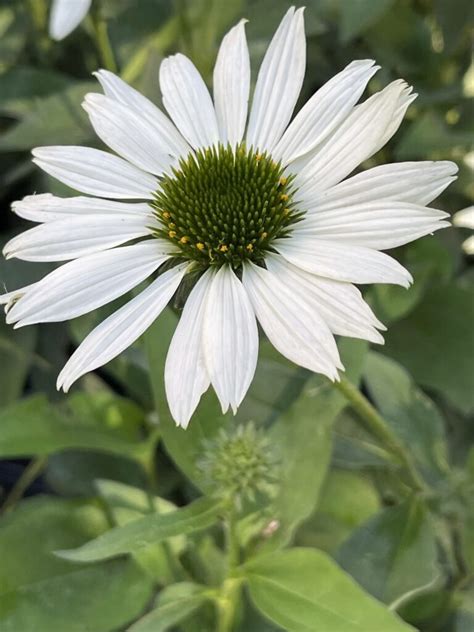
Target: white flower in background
<point x="465" y="219"/>
<point x="65" y="16"/>
<point x="256" y="204"/>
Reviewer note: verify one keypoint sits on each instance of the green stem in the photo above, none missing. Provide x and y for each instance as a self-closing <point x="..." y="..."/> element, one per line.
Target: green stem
<point x="379" y="428"/>
<point x="228" y="595"/>
<point x="30" y="474"/>
<point x="102" y="40"/>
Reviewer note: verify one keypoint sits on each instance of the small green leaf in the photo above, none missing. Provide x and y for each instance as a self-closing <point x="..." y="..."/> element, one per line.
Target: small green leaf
<point x="146" y="531"/>
<point x="175" y="604"/>
<point x="303" y="590"/>
<point x="380" y="554"/>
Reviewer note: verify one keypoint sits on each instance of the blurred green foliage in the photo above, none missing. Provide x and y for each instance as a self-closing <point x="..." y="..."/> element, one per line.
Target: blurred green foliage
<point x="112" y="475"/>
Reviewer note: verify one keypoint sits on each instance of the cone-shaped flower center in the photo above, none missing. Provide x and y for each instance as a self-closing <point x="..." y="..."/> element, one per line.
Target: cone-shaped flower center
<point x="225" y="206"/>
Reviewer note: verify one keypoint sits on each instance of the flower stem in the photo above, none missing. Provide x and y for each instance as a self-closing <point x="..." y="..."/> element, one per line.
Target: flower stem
<point x="30" y="474"/>
<point x="228" y="595"/>
<point x="380" y="430"/>
<point x="102" y="40"/>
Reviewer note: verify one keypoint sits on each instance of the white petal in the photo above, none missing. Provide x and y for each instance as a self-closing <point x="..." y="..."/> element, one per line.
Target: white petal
<point x="358" y="138"/>
<point x="230" y="339"/>
<point x="95" y="172"/>
<point x="188" y="102"/>
<point x="290" y="319"/>
<point x="342" y="262"/>
<point x="186" y="377"/>
<point x="415" y="182"/>
<point x="115" y="88"/>
<point x="77" y="237"/>
<point x="279" y="83"/>
<point x="9" y="298"/>
<point x="232" y="85"/>
<point x="464" y="218"/>
<point x="65" y="16"/>
<point x="127" y="133"/>
<point x="340" y="304"/>
<point x="468" y="245"/>
<point x="381" y="225"/>
<point x="325" y="110"/>
<point x="45" y="207"/>
<point x="120" y="330"/>
<point x="84" y="284"/>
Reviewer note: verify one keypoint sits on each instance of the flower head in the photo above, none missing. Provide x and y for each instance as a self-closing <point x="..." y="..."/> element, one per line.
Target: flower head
<point x="256" y="207"/>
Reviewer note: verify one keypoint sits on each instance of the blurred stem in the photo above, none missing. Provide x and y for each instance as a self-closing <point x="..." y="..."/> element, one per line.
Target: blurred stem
<point x="30" y="474"/>
<point x="38" y="11"/>
<point x="228" y="595"/>
<point x="380" y="429"/>
<point x="102" y="40"/>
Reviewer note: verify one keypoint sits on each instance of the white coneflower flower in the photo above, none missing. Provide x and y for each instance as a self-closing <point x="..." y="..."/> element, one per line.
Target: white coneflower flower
<point x="465" y="219"/>
<point x="258" y="207"/>
<point x="65" y="16"/>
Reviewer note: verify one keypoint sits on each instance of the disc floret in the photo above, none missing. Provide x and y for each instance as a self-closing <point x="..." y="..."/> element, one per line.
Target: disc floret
<point x="225" y="205"/>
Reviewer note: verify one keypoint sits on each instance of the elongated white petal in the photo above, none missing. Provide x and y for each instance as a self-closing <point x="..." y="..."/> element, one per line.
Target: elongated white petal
<point x="468" y="245"/>
<point x="115" y="88"/>
<point x="127" y="133"/>
<point x="230" y="339"/>
<point x="186" y="377"/>
<point x="95" y="172"/>
<point x="188" y="102"/>
<point x="340" y="304"/>
<point x="77" y="236"/>
<point x="10" y="298"/>
<point x="415" y="182"/>
<point x="279" y="83"/>
<point x="119" y="331"/>
<point x="84" y="284"/>
<point x="325" y="111"/>
<point x="45" y="207"/>
<point x="380" y="225"/>
<point x="343" y="262"/>
<point x="291" y="321"/>
<point x="65" y="16"/>
<point x="232" y="85"/>
<point x="358" y="138"/>
<point x="464" y="218"/>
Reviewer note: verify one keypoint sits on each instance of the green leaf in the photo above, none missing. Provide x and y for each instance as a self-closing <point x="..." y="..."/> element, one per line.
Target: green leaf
<point x="304" y="590"/>
<point x="412" y="415"/>
<point x="436" y="344"/>
<point x="359" y="15"/>
<point x="381" y="554"/>
<point x="146" y="531"/>
<point x="16" y="353"/>
<point x="175" y="604"/>
<point x="21" y="86"/>
<point x="184" y="446"/>
<point x="55" y="120"/>
<point x="96" y="422"/>
<point x="41" y="592"/>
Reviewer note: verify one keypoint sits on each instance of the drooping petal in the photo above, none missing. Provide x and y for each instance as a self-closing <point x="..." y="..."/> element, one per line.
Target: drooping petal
<point x="95" y="172"/>
<point x="65" y="16"/>
<point x="290" y="319"/>
<point x="414" y="182"/>
<point x="45" y="207"/>
<point x="340" y="304"/>
<point x="232" y="85"/>
<point x="342" y="262"/>
<point x="122" y="328"/>
<point x="354" y="141"/>
<point x="380" y="225"/>
<point x="186" y="377"/>
<point x="127" y="133"/>
<point x="77" y="236"/>
<point x="326" y="109"/>
<point x="279" y="83"/>
<point x="9" y="298"/>
<point x="188" y="102"/>
<point x="464" y="218"/>
<point x="85" y="284"/>
<point x="116" y="88"/>
<point x="230" y="339"/>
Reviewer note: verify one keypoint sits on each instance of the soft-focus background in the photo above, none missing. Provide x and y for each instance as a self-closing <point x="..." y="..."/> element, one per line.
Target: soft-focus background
<point x="339" y="490"/>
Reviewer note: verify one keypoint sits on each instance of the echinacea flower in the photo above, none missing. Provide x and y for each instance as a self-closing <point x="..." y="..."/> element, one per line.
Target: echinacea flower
<point x="254" y="206"/>
<point x="65" y="16"/>
<point x="465" y="219"/>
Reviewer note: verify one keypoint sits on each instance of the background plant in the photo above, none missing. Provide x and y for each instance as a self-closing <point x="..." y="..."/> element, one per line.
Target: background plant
<point x="134" y="524"/>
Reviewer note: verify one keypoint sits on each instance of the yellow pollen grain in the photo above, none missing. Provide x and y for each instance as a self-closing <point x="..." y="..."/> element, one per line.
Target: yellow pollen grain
<point x="200" y="246"/>
<point x="223" y="248"/>
<point x="283" y="181"/>
<point x="171" y="225"/>
<point x="286" y="211"/>
<point x="184" y="239"/>
<point x="172" y="234"/>
<point x="250" y="247"/>
<point x="166" y="215"/>
<point x="258" y="157"/>
<point x="264" y="235"/>
<point x="284" y="197"/>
